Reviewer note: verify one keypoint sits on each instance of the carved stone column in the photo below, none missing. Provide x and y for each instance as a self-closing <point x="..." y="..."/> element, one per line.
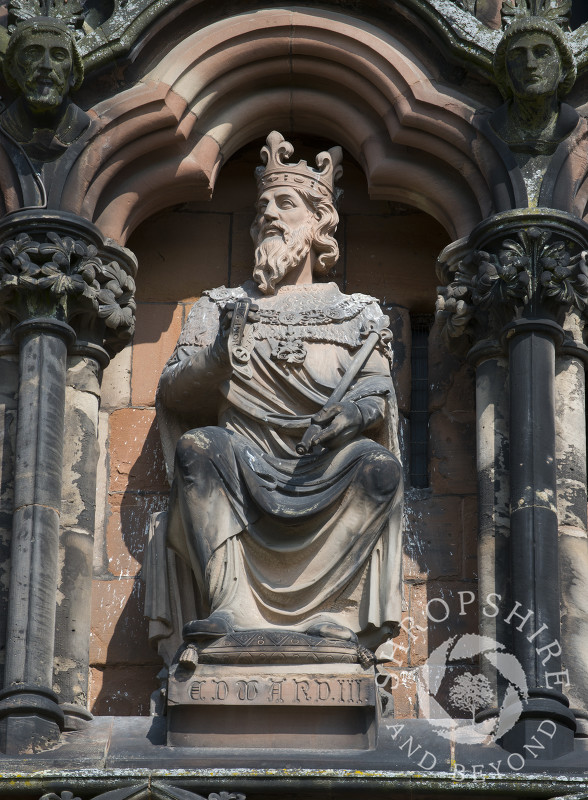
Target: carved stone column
<point x="520" y="273"/>
<point x="570" y="415"/>
<point x="64" y="287"/>
<point x="473" y="331"/>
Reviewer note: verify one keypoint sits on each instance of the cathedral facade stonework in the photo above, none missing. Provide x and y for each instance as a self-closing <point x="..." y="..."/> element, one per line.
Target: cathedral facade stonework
<point x="293" y="470"/>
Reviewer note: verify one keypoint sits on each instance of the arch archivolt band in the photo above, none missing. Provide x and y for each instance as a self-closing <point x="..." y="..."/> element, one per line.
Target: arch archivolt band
<point x="319" y="73"/>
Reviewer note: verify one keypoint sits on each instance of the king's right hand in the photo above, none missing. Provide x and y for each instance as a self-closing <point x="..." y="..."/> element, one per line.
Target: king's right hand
<point x="221" y="344"/>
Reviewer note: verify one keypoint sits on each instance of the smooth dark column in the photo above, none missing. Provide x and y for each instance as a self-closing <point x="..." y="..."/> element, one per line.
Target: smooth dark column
<point x="51" y="547"/>
<point x="30" y="715"/>
<point x="533" y="480"/>
<point x="517" y="279"/>
<point x="534" y="569"/>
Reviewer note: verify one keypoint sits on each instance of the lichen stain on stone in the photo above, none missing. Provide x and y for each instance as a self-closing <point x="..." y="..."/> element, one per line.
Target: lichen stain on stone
<point x="467" y="25"/>
<point x="63" y="664"/>
<point x="548" y="497"/>
<point x="81" y="423"/>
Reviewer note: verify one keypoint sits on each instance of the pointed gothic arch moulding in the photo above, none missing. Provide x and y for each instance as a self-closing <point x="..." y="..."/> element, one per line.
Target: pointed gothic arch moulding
<point x="322" y="73"/>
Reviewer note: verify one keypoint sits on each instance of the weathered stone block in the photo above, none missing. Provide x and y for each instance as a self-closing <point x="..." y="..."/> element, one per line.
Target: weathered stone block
<point x="376" y="244"/>
<point x="122" y="690"/>
<point x="453" y="454"/>
<point x="403" y="688"/>
<point x="116" y="381"/>
<point x="158" y="329"/>
<point x="100" y="564"/>
<point x="438" y="610"/>
<point x="451" y="379"/>
<point x="135" y="452"/>
<point x="80" y="455"/>
<point x="242" y="249"/>
<point x="189" y="249"/>
<point x="433" y="536"/>
<point x="126" y="535"/>
<point x="119" y="629"/>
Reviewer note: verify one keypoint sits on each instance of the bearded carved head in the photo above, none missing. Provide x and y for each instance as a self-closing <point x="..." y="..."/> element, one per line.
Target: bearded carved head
<point x="296" y="213"/>
<point x="42" y="63"/>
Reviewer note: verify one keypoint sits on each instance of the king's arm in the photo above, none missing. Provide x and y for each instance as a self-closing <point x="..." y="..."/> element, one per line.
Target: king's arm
<point x="372" y="389"/>
<point x="363" y="409"/>
<point x="200" y="362"/>
<point x="191" y="372"/>
<point x="364" y="406"/>
<point x="372" y="410"/>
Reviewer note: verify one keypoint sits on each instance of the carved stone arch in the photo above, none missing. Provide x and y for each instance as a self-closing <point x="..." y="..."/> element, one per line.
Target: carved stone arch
<point x="164" y="141"/>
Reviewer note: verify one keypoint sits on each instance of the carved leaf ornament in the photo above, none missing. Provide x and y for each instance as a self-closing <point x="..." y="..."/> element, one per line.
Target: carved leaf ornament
<point x="72" y="274"/>
<point x="501" y="278"/>
<point x="71" y="12"/>
<point x="564" y="278"/>
<point x="453" y="309"/>
<point x="529" y="272"/>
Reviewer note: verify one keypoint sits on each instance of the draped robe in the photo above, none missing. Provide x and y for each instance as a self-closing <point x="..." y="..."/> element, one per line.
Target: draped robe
<point x="275" y="540"/>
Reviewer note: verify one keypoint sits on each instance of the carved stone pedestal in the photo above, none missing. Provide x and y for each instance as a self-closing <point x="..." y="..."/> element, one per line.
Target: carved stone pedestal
<point x="329" y="706"/>
<point x="273" y="689"/>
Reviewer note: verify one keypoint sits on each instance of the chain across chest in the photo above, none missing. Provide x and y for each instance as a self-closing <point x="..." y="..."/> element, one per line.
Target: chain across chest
<point x="289" y="330"/>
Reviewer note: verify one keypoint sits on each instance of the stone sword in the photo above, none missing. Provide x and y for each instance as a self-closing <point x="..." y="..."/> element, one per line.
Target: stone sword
<point x="374" y="332"/>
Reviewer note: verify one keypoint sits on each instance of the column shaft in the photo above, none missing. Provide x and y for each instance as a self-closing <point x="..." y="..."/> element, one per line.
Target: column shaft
<point x="534" y="574"/>
<point x="492" y="413"/>
<point x="570" y="410"/>
<point x="72" y="629"/>
<point x="35" y="534"/>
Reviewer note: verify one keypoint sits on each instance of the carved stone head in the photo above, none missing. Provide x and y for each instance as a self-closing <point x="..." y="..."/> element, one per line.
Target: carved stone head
<point x="42" y="63"/>
<point x="295" y="212"/>
<point x="534" y="60"/>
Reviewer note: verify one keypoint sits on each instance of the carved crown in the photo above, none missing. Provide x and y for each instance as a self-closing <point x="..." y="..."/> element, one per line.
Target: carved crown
<point x="277" y="172"/>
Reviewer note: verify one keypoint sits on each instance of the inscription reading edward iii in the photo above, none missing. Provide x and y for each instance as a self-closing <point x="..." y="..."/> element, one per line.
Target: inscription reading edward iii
<point x="266" y="690"/>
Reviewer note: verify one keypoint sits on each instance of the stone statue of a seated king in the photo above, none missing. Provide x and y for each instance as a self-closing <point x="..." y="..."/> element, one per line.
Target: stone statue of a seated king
<point x="287" y="509"/>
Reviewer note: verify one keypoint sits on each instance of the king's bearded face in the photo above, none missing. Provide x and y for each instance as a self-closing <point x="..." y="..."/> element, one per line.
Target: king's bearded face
<point x="284" y="233"/>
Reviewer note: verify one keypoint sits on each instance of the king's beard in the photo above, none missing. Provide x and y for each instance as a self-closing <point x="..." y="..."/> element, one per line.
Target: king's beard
<point x="276" y="255"/>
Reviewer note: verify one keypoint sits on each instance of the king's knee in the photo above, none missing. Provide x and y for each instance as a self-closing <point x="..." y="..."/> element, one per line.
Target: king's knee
<point x="192" y="447"/>
<point x="381" y="475"/>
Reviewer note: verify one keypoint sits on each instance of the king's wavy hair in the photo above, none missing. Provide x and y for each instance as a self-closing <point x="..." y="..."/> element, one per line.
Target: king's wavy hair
<point x="324" y="242"/>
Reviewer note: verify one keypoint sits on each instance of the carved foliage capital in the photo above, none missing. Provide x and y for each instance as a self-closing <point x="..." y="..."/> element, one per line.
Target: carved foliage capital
<point x="534" y="271"/>
<point x="48" y="272"/>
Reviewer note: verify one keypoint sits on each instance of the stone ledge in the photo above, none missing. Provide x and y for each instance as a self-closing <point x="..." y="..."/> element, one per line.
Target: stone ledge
<point x="113" y="752"/>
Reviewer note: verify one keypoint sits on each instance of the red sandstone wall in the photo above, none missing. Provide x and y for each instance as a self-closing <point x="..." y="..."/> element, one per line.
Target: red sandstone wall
<point x="386" y="252"/>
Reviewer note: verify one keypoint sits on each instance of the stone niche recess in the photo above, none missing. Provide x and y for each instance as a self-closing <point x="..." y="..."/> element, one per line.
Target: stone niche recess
<point x="130" y="133"/>
<point x="384" y="252"/>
